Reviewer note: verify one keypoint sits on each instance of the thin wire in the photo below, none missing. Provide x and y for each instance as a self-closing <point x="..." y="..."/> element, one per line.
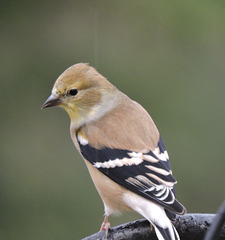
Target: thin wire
<point x="96" y="40"/>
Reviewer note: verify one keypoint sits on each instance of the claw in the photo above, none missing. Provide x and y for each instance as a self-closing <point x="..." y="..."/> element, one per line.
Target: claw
<point x="151" y="227"/>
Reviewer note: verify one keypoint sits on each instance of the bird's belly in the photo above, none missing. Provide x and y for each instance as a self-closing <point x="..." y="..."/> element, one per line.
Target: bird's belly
<point x="111" y="193"/>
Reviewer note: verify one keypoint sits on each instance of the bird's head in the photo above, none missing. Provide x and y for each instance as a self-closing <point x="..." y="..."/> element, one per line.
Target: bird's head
<point x="83" y="93"/>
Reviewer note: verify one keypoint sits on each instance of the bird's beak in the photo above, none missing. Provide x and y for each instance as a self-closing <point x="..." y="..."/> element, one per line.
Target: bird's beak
<point x="52" y="101"/>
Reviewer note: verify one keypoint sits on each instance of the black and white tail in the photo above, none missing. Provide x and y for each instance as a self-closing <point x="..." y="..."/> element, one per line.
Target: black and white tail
<point x="166" y="233"/>
<point x="155" y="214"/>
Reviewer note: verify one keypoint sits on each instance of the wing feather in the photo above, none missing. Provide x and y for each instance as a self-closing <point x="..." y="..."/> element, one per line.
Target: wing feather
<point x="151" y="179"/>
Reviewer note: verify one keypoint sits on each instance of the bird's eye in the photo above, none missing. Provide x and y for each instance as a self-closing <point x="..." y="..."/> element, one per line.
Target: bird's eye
<point x="73" y="92"/>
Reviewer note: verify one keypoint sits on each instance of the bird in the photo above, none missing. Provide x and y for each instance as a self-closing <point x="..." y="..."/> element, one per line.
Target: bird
<point x="121" y="147"/>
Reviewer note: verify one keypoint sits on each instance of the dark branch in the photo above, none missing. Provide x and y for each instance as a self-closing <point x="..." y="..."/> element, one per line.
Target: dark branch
<point x="189" y="227"/>
<point x="217" y="224"/>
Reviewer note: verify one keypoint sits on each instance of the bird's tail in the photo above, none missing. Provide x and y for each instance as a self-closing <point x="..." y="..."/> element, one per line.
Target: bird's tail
<point x="169" y="233"/>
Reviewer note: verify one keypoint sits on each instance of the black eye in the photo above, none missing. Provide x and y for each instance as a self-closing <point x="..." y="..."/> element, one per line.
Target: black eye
<point x="73" y="92"/>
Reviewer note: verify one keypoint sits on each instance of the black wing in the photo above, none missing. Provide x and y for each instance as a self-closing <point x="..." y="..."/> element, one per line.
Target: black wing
<point x="146" y="174"/>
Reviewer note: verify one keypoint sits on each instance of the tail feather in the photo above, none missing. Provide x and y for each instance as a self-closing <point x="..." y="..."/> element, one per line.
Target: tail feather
<point x="166" y="233"/>
<point x="155" y="214"/>
<point x="176" y="234"/>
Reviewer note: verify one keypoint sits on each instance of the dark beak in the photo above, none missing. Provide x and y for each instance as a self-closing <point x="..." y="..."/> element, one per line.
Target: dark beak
<point x="52" y="101"/>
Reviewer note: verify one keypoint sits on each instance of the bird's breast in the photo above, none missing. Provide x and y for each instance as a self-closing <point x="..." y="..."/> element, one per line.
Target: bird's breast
<point x="111" y="193"/>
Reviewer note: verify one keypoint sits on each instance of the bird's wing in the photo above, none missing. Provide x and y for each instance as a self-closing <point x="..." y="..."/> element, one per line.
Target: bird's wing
<point x="147" y="174"/>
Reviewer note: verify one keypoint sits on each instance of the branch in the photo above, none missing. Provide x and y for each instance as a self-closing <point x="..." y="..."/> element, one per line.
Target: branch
<point x="218" y="222"/>
<point x="190" y="227"/>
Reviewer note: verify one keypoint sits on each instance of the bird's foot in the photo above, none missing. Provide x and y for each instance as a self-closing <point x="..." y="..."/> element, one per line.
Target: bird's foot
<point x="105" y="225"/>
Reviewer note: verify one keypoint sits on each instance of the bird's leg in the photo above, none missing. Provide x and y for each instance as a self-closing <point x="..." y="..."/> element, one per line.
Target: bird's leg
<point x="105" y="225"/>
<point x="151" y="227"/>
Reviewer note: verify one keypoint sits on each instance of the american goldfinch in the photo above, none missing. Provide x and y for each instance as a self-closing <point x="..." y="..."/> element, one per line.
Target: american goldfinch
<point x="121" y="147"/>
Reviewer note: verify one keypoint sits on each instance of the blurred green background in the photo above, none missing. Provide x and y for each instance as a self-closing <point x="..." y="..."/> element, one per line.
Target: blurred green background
<point x="167" y="55"/>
